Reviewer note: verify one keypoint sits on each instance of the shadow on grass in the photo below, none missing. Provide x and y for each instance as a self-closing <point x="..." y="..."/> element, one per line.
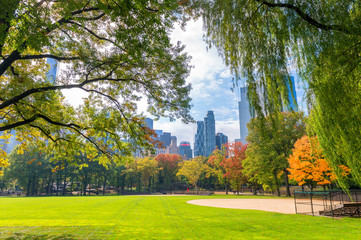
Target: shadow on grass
<point x="18" y="236"/>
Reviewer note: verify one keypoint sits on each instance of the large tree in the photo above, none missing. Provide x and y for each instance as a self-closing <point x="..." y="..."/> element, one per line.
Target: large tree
<point x="308" y="165"/>
<point x="116" y="51"/>
<point x="263" y="40"/>
<point x="270" y="144"/>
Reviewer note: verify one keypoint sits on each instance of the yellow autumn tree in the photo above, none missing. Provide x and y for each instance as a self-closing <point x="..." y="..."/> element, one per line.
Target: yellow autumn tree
<point x="192" y="169"/>
<point x="308" y="165"/>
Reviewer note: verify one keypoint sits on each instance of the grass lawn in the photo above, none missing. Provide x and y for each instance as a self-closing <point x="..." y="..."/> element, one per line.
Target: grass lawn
<point x="157" y="217"/>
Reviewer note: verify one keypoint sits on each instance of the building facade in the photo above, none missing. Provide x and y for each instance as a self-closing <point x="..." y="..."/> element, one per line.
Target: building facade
<point x="221" y="139"/>
<point x="209" y="133"/>
<point x="173" y="148"/>
<point x="244" y="114"/>
<point x="185" y="150"/>
<point x="199" y="140"/>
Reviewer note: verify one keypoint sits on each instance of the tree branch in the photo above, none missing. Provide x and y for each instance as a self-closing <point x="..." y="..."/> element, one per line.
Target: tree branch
<point x="308" y="18"/>
<point x="40" y="56"/>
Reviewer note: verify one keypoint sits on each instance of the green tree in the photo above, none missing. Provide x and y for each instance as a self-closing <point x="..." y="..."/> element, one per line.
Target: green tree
<point x="146" y="168"/>
<point x="28" y="169"/>
<point x="270" y="144"/>
<point x="261" y="39"/>
<point x="115" y="51"/>
<point x="192" y="169"/>
<point x="216" y="167"/>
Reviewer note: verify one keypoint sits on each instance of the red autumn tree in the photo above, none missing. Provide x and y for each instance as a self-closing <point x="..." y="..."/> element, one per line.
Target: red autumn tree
<point x="308" y="165"/>
<point x="168" y="168"/>
<point x="215" y="167"/>
<point x="232" y="163"/>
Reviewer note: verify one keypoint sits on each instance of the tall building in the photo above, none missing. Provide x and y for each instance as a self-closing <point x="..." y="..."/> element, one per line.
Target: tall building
<point x="220" y="140"/>
<point x="199" y="140"/>
<point x="209" y="133"/>
<point x="292" y="96"/>
<point x="165" y="138"/>
<point x="173" y="148"/>
<point x="244" y="110"/>
<point x="149" y="122"/>
<point x="185" y="150"/>
<point x="244" y="114"/>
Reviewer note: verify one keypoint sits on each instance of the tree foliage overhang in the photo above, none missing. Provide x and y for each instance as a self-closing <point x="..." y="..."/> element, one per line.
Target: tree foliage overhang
<point x="117" y="51"/>
<point x="262" y="40"/>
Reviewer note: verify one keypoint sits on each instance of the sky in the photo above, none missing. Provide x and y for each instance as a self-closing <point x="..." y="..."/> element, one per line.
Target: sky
<point x="211" y="88"/>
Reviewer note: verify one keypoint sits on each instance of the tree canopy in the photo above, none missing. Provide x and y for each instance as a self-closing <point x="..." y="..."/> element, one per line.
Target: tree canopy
<point x="264" y="40"/>
<point x="116" y="51"/>
<point x="270" y="145"/>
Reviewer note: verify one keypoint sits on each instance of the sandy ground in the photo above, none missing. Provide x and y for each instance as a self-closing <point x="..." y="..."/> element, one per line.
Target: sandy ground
<point x="270" y="205"/>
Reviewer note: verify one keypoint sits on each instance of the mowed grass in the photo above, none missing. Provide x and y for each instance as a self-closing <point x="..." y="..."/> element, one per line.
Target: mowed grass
<point x="157" y="217"/>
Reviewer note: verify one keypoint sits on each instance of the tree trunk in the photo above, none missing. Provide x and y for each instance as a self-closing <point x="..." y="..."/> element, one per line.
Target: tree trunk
<point x="287" y="183"/>
<point x="64" y="184"/>
<point x="104" y="184"/>
<point x="28" y="187"/>
<point x="277" y="183"/>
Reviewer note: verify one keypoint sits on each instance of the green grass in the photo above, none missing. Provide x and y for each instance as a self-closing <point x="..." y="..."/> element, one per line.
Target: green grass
<point x="157" y="217"/>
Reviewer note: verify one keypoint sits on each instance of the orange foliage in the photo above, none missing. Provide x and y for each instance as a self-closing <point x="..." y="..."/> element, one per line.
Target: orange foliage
<point x="232" y="162"/>
<point x="308" y="165"/>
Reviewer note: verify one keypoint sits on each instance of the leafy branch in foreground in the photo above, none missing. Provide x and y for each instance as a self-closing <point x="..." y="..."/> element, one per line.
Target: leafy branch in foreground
<point x="116" y="51"/>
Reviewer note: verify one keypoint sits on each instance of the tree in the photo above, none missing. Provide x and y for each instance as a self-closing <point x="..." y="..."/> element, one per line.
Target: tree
<point x="146" y="167"/>
<point x="28" y="169"/>
<point x="308" y="165"/>
<point x="217" y="168"/>
<point x="271" y="142"/>
<point x="232" y="163"/>
<point x="192" y="169"/>
<point x="115" y="51"/>
<point x="168" y="167"/>
<point x="261" y="39"/>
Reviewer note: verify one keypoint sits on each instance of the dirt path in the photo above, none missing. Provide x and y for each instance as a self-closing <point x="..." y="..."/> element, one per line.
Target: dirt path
<point x="270" y="205"/>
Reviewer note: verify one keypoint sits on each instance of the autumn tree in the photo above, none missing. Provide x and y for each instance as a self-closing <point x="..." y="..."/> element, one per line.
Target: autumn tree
<point x="308" y="165"/>
<point x="270" y="143"/>
<point x="232" y="163"/>
<point x="192" y="169"/>
<point x="146" y="168"/>
<point x="168" y="167"/>
<point x="216" y="167"/>
<point x="115" y="51"/>
<point x="263" y="41"/>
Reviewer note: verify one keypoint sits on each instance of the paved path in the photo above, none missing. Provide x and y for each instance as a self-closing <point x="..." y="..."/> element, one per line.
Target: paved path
<point x="270" y="205"/>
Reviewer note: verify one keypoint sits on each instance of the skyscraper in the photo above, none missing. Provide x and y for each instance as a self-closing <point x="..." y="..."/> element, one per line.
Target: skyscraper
<point x="292" y="96"/>
<point x="165" y="139"/>
<point x="209" y="133"/>
<point x="244" y="114"/>
<point x="244" y="110"/>
<point x="173" y="148"/>
<point x="149" y="122"/>
<point x="185" y="150"/>
<point x="220" y="140"/>
<point x="199" y="140"/>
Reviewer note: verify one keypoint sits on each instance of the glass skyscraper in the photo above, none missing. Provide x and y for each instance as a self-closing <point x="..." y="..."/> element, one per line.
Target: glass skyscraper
<point x="244" y="110"/>
<point x="220" y="140"/>
<point x="244" y="114"/>
<point x="209" y="133"/>
<point x="199" y="140"/>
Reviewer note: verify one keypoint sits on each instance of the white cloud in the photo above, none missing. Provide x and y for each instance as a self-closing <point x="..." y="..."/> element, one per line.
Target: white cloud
<point x="229" y="128"/>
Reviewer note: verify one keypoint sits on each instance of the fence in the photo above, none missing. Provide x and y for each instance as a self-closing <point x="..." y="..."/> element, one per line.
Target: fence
<point x="334" y="203"/>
